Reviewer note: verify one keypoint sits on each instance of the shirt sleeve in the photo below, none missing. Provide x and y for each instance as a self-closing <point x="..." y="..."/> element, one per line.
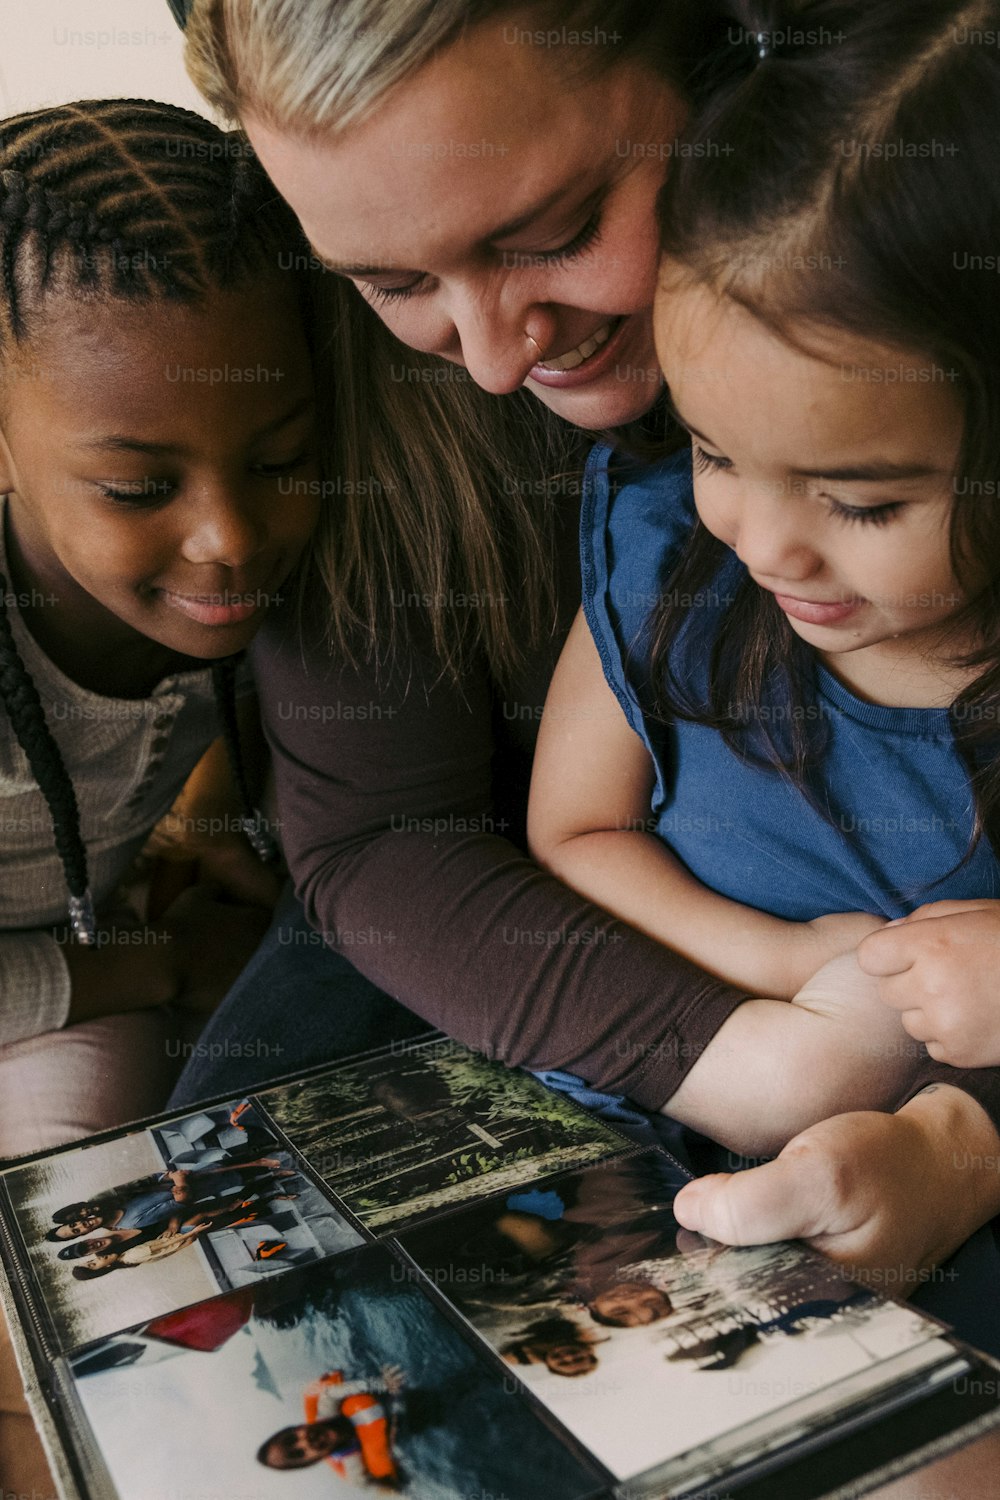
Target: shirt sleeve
<point x="34" y="986"/>
<point x="983" y="1084"/>
<point x="384" y="793"/>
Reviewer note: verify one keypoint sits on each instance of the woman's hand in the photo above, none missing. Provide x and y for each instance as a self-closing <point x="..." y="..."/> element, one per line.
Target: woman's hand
<point x="887" y="1196"/>
<point x="937" y="967"/>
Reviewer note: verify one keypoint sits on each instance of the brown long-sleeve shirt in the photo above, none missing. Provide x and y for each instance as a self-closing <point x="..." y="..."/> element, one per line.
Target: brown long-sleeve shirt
<point x="402" y="806"/>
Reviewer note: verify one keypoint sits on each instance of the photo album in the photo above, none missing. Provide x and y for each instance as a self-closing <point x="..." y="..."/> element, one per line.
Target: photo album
<point x="419" y="1272"/>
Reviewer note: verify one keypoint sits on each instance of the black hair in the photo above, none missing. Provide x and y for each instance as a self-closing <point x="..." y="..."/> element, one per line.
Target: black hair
<point x="121" y="199"/>
<point x="542" y="1336"/>
<point x="91" y="1273"/>
<point x="840" y="178"/>
<point x="72" y="1211"/>
<point x="77" y="1250"/>
<point x="341" y="1424"/>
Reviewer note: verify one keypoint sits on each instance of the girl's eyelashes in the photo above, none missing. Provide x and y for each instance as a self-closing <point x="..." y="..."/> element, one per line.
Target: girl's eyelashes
<point x="287" y="466"/>
<point x="584" y="239"/>
<point x="870" y="515"/>
<point x="708" y="461"/>
<point x="140" y="493"/>
<point x="146" y="494"/>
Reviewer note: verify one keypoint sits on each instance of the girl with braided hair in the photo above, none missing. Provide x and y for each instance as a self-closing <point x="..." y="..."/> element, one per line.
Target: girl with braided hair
<point x="155" y="398"/>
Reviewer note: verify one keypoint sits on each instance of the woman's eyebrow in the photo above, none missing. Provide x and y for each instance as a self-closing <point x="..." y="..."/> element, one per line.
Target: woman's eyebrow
<point x="502" y="232"/>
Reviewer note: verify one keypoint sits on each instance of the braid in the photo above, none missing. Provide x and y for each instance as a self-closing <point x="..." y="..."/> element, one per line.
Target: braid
<point x="19" y="696"/>
<point x="224" y="685"/>
<point x="132" y="199"/>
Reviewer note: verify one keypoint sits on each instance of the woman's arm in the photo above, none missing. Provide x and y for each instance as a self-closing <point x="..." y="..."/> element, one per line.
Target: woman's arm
<point x="399" y="856"/>
<point x="404" y="862"/>
<point x="589" y="824"/>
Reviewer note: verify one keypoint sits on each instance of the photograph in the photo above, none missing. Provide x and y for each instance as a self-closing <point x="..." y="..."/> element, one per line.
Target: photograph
<point x="346" y="1367"/>
<point x="657" y="1349"/>
<point x="201" y="1204"/>
<point x="417" y="1130"/>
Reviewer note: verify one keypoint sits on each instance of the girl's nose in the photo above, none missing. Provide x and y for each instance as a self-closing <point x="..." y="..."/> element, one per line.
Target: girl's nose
<point x="773" y="542"/>
<point x="225" y="529"/>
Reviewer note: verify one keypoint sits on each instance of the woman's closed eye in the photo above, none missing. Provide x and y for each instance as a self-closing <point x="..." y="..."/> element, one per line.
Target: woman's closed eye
<point x="572" y="249"/>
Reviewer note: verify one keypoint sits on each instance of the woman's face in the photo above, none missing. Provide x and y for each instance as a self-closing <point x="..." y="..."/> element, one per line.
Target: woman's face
<point x="498" y="210"/>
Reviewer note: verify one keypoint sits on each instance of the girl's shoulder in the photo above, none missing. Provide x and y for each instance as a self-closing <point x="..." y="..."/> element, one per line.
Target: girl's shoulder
<point x="638" y="506"/>
<point x="634" y="524"/>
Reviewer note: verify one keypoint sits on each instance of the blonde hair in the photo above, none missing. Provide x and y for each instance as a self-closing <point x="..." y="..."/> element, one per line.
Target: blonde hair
<point x="437" y="521"/>
<point x="441" y="490"/>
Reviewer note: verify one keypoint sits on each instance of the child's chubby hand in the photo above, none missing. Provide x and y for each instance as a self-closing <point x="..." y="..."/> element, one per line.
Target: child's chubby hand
<point x="937" y="968"/>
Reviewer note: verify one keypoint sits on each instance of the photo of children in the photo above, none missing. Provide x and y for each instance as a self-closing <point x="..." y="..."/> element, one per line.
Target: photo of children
<point x="340" y="1379"/>
<point x="407" y="1134"/>
<point x="671" y="1358"/>
<point x="203" y="1203"/>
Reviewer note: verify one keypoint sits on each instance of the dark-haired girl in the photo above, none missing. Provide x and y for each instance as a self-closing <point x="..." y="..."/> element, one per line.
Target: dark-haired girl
<point x="779" y="701"/>
<point x="155" y="391"/>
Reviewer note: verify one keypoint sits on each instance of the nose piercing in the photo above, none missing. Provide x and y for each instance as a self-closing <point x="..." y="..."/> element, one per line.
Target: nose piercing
<point x="534" y="341"/>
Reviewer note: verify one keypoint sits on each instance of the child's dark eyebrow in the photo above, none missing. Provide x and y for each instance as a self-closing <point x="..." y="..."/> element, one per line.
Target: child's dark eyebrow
<point x="119" y="443"/>
<point x="876" y="473"/>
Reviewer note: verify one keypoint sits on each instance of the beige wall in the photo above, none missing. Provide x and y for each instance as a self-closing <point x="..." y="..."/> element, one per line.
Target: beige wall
<point x="56" y="50"/>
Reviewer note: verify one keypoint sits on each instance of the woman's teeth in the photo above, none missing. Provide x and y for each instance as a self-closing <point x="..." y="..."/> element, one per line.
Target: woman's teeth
<point x="574" y="357"/>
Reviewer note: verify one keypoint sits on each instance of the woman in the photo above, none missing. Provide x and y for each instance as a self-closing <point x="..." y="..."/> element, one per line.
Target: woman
<point x="516" y="244"/>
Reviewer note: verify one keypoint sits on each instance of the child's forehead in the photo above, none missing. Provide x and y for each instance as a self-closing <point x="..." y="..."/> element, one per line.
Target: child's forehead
<point x="84" y="360"/>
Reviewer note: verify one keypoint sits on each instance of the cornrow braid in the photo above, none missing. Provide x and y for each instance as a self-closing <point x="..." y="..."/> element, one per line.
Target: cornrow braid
<point x="128" y="198"/>
<point x="254" y="824"/>
<point x="122" y="199"/>
<point x="27" y="718"/>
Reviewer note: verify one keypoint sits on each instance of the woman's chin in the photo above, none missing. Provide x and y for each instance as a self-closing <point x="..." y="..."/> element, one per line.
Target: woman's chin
<point x="611" y="402"/>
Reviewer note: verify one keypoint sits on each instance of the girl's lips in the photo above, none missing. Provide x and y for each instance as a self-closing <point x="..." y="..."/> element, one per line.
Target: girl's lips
<point x="591" y="369"/>
<point x="205" y="612"/>
<point x="816" y="613"/>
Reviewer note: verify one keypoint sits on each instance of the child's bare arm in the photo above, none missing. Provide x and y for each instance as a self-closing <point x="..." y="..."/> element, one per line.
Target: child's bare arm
<point x="782" y="1068"/>
<point x="588" y="822"/>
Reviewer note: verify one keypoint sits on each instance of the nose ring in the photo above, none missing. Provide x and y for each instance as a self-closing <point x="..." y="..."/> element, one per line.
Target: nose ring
<point x="533" y="340"/>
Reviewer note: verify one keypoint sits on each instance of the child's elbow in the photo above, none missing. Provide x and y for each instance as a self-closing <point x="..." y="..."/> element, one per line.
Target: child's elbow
<point x="543" y="843"/>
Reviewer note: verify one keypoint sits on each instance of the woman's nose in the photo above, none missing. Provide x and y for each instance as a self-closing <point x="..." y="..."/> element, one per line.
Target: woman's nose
<point x="500" y="344"/>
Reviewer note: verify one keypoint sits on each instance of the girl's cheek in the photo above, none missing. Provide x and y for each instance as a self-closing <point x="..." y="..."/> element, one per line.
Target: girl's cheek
<point x="716" y="514"/>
